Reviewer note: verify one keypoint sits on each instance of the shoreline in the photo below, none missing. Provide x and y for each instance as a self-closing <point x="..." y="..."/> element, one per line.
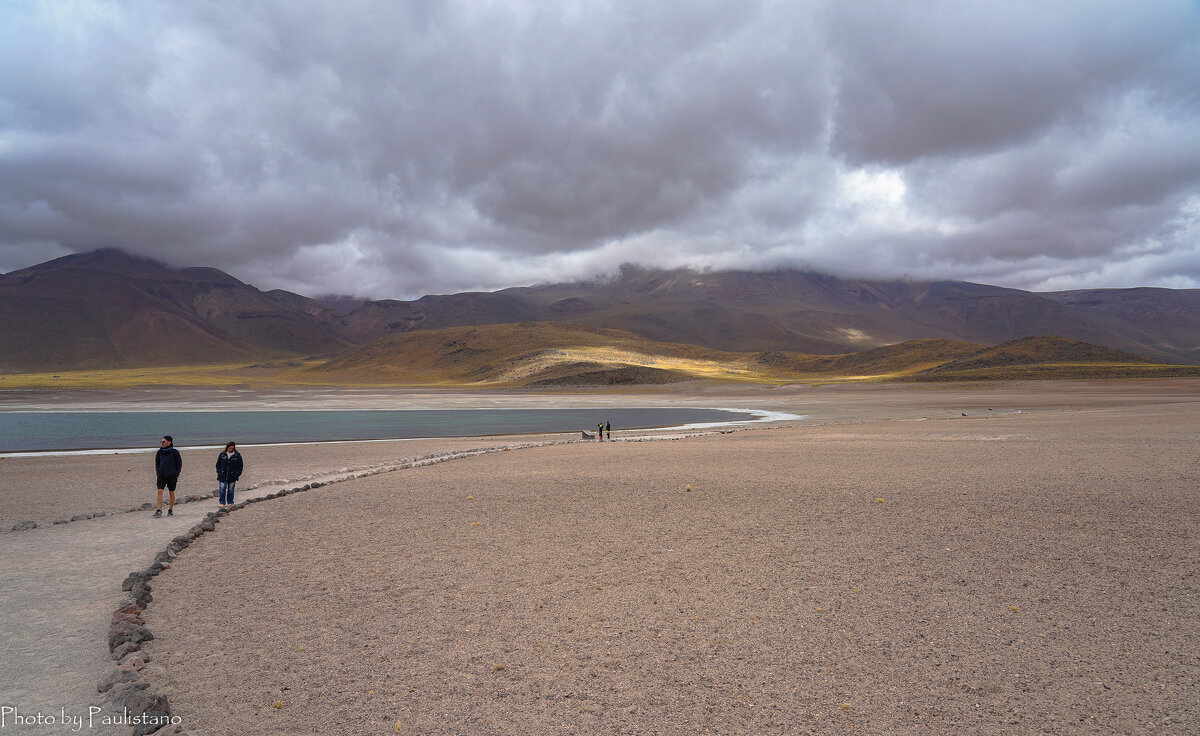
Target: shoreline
<point x="44" y="488"/>
<point x="760" y="417"/>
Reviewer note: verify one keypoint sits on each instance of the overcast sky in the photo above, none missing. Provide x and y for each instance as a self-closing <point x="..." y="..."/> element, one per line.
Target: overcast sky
<point x="393" y="148"/>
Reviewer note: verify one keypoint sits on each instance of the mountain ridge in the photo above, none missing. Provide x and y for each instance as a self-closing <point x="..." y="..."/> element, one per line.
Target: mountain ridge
<point x="108" y="309"/>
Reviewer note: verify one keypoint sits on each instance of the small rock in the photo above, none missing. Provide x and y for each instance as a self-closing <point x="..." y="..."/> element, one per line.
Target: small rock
<point x="61" y="521"/>
<point x="133" y="579"/>
<point x="117" y="675"/>
<point x="146" y="506"/>
<point x="21" y="526"/>
<point x="208" y="525"/>
<point x="141" y="594"/>
<point x="121" y="692"/>
<point x="132" y="663"/>
<point x="170" y="554"/>
<point x="124" y="632"/>
<point x="135" y="654"/>
<point x="145" y="701"/>
<point x="132" y="618"/>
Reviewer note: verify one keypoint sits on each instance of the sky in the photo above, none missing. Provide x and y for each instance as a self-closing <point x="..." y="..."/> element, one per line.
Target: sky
<point x="390" y="149"/>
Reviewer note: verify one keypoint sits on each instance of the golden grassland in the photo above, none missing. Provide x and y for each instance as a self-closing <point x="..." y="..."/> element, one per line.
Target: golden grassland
<point x="206" y="375"/>
<point x="561" y="355"/>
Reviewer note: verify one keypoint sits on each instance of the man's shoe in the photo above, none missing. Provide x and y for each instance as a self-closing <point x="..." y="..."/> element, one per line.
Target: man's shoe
<point x="170" y="512"/>
<point x="158" y="512"/>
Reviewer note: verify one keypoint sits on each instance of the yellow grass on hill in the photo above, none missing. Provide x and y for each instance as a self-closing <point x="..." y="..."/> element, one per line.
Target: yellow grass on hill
<point x="214" y="375"/>
<point x="550" y="354"/>
<point x="519" y="354"/>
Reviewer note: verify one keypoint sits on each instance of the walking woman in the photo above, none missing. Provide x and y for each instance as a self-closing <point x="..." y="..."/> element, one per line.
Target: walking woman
<point x="229" y="469"/>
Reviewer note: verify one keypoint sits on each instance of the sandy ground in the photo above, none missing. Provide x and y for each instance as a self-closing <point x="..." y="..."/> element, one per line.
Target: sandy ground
<point x="46" y="489"/>
<point x="405" y="596"/>
<point x="1023" y="573"/>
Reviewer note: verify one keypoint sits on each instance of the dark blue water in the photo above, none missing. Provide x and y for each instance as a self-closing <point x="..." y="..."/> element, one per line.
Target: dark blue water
<point x="43" y="431"/>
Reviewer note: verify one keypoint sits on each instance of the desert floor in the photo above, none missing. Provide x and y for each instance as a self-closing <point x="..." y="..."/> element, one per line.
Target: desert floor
<point x="996" y="574"/>
<point x="55" y="487"/>
<point x="886" y="565"/>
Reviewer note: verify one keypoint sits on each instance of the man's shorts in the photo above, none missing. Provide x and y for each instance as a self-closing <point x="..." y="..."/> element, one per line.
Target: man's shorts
<point x="167" y="481"/>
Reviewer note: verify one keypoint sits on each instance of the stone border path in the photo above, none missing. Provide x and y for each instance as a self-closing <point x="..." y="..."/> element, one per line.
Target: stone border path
<point x="62" y="583"/>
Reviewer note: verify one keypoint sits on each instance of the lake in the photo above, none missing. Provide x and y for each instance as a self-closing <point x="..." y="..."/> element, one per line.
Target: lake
<point x="51" y="431"/>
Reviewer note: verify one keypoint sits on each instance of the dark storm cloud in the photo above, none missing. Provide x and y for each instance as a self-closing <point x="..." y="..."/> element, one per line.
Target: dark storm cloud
<point x="395" y="149"/>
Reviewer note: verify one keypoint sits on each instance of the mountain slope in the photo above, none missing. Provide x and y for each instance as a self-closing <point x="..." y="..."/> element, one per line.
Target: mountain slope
<point x="565" y="354"/>
<point x="107" y="309"/>
<point x="1163" y="324"/>
<point x="803" y="312"/>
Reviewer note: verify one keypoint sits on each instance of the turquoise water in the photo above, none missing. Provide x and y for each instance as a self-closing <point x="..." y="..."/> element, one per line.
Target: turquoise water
<point x="48" y="431"/>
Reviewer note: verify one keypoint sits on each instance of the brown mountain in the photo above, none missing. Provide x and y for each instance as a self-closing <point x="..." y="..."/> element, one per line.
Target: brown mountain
<point x="107" y="309"/>
<point x="1159" y="323"/>
<point x="1049" y="356"/>
<point x="566" y="354"/>
<point x="812" y="313"/>
<point x="562" y="353"/>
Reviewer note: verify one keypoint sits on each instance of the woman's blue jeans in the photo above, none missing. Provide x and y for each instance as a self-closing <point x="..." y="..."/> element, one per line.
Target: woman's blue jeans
<point x="226" y="491"/>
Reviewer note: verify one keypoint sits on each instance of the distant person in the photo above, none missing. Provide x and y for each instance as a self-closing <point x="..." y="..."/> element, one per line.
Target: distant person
<point x="229" y="469"/>
<point x="167" y="464"/>
<point x="607" y="431"/>
<point x="600" y="432"/>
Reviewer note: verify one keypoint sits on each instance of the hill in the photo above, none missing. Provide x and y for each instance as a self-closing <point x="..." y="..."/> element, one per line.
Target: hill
<point x="1049" y="356"/>
<point x="107" y="309"/>
<point x="797" y="311"/>
<point x="535" y="354"/>
<point x="521" y="354"/>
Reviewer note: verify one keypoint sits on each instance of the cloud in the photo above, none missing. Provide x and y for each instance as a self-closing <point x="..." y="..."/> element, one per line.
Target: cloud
<point x="397" y="149"/>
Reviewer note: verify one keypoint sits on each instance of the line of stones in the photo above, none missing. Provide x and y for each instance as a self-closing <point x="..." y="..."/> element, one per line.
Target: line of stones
<point x="151" y="711"/>
<point x="21" y="526"/>
<point x="128" y="631"/>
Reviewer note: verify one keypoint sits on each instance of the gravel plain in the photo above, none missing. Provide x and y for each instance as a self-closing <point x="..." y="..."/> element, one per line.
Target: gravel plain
<point x="897" y="569"/>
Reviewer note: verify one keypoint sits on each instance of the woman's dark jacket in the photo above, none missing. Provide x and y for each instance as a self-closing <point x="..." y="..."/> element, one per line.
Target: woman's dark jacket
<point x="167" y="462"/>
<point x="229" y="468"/>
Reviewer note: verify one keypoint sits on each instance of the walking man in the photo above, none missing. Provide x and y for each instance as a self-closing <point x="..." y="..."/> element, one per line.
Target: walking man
<point x="167" y="464"/>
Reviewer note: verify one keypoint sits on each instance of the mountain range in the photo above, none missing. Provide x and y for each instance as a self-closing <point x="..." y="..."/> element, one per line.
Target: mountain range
<point x="109" y="309"/>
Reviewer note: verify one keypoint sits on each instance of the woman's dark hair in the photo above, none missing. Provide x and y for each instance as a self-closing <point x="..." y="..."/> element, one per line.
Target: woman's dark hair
<point x="229" y="445"/>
